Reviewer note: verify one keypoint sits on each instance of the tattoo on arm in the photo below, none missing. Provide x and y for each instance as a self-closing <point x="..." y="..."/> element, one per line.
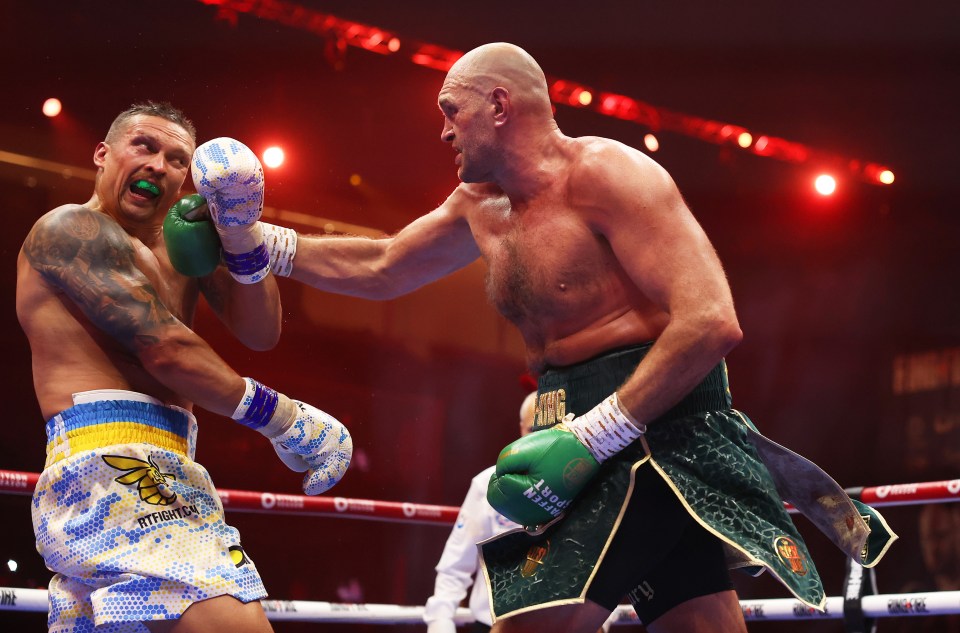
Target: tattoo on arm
<point x="91" y="259"/>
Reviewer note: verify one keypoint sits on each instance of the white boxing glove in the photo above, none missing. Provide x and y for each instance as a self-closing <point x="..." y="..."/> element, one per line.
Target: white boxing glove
<point x="230" y="178"/>
<point x="304" y="437"/>
<point x="322" y="442"/>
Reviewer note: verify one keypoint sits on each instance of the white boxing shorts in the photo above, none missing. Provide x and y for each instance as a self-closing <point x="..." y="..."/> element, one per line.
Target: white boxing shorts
<point x="132" y="527"/>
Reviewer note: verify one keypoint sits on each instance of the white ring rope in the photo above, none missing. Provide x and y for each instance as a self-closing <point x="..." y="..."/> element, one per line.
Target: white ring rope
<point x="879" y="606"/>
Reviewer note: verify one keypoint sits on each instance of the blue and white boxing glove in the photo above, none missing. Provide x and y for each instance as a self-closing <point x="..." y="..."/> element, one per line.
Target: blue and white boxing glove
<point x="230" y="178"/>
<point x="305" y="438"/>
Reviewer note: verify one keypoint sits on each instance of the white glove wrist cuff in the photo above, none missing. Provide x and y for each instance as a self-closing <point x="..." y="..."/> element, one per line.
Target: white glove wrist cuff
<point x="238" y="239"/>
<point x="281" y="243"/>
<point x="606" y="429"/>
<point x="249" y="267"/>
<point x="265" y="410"/>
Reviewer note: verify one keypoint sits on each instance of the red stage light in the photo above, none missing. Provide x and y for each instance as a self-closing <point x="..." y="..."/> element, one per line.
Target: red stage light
<point x="762" y="145"/>
<point x="878" y="174"/>
<point x="650" y="142"/>
<point x="52" y="107"/>
<point x="825" y="184"/>
<point x="273" y="157"/>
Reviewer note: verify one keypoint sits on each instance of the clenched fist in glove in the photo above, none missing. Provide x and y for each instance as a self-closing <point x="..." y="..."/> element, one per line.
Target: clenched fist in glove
<point x="192" y="241"/>
<point x="304" y="437"/>
<point x="540" y="474"/>
<point x="230" y="178"/>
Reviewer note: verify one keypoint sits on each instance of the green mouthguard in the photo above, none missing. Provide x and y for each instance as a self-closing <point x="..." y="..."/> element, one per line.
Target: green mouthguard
<point x="149" y="186"/>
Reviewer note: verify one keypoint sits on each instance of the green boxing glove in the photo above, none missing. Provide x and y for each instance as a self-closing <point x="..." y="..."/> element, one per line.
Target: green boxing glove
<point x="539" y="475"/>
<point x="192" y="244"/>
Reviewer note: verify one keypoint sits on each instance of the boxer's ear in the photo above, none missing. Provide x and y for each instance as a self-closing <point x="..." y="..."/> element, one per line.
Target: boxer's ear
<point x="501" y="105"/>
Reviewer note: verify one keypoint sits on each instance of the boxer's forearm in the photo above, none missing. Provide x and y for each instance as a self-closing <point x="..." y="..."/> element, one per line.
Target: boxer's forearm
<point x="252" y="312"/>
<point x="430" y="247"/>
<point x="679" y="360"/>
<point x="354" y="266"/>
<point x="185" y="364"/>
<point x="256" y="314"/>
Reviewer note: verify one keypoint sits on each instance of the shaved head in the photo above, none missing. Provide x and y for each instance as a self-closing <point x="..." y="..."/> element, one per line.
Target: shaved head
<point x="501" y="64"/>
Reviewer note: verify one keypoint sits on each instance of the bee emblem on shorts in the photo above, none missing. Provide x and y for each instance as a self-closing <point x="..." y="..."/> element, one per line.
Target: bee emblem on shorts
<point x="151" y="483"/>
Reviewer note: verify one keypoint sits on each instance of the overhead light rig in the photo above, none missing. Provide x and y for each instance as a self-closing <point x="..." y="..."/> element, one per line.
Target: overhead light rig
<point x="342" y="33"/>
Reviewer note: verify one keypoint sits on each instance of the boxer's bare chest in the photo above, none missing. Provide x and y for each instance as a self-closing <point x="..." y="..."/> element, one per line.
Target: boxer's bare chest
<point x="177" y="293"/>
<point x="548" y="271"/>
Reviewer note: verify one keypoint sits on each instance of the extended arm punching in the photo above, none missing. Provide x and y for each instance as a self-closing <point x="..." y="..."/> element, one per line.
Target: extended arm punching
<point x="427" y="249"/>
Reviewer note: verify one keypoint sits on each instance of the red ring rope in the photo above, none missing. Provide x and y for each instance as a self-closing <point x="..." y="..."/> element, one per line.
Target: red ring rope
<point x="17" y="482"/>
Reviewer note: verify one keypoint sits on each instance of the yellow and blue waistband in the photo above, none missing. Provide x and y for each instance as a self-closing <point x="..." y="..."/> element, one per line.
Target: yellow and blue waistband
<point x="102" y="423"/>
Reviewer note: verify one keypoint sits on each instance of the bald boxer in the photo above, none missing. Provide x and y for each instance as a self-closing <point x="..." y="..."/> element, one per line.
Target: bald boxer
<point x="128" y="521"/>
<point x="640" y="480"/>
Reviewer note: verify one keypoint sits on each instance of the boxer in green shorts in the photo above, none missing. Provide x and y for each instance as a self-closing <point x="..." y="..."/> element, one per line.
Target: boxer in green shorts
<point x="663" y="518"/>
<point x="588" y="248"/>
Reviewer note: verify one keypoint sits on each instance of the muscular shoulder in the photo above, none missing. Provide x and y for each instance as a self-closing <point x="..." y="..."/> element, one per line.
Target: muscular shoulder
<point x="76" y="222"/>
<point x="73" y="234"/>
<point x="608" y="162"/>
<point x="607" y="175"/>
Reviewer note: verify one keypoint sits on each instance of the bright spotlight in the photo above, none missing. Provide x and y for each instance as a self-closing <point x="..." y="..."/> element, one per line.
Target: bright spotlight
<point x="52" y="107"/>
<point x="886" y="177"/>
<point x="825" y="184"/>
<point x="650" y="142"/>
<point x="585" y="98"/>
<point x="356" y="180"/>
<point x="393" y="45"/>
<point x="273" y="157"/>
<point x="12" y="565"/>
<point x="744" y="140"/>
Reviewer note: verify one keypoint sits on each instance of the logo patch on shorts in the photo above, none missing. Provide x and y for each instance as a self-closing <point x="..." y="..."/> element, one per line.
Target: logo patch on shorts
<point x="238" y="556"/>
<point x="151" y="483"/>
<point x="535" y="556"/>
<point x="791" y="555"/>
<point x="551" y="409"/>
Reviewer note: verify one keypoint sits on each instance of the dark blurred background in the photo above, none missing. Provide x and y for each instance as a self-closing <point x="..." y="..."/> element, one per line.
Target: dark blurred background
<point x="849" y="303"/>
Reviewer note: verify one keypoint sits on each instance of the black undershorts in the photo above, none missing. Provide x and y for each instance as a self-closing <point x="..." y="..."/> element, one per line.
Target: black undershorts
<point x="661" y="558"/>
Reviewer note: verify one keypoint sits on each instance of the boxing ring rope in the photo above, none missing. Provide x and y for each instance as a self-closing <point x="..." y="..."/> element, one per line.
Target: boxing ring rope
<point x="871" y="606"/>
<point x="778" y="609"/>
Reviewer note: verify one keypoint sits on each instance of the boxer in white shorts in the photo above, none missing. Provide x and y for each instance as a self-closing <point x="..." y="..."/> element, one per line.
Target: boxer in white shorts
<point x="134" y="526"/>
<point x="131" y="526"/>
